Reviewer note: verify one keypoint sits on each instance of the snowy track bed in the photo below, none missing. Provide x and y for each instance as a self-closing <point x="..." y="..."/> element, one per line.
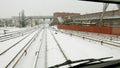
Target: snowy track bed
<point x="103" y="39"/>
<point x="45" y="48"/>
<point x="56" y="54"/>
<point x="10" y="30"/>
<point x="28" y="60"/>
<point x="36" y="56"/>
<point x="11" y="56"/>
<point x="15" y="34"/>
<point x="78" y="48"/>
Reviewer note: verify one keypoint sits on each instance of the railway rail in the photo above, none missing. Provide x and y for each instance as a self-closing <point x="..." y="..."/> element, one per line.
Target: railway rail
<point x="112" y="43"/>
<point x="46" y="56"/>
<point x="61" y="50"/>
<point x="21" y="52"/>
<point x="14" y="61"/>
<point x="15" y="34"/>
<point x="12" y="32"/>
<point x="41" y="40"/>
<point x="1" y="53"/>
<point x="29" y="44"/>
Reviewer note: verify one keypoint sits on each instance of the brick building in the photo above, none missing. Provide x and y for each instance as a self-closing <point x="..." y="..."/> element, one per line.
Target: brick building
<point x="110" y="18"/>
<point x="64" y="16"/>
<point x="91" y="23"/>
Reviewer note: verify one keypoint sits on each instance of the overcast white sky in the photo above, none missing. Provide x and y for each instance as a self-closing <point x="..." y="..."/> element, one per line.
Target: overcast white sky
<point x="10" y="8"/>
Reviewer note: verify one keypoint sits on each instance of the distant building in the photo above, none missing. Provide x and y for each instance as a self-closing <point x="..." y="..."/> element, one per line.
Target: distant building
<point x="16" y="21"/>
<point x="31" y="22"/>
<point x="28" y="22"/>
<point x="64" y="16"/>
<point x="110" y="18"/>
<point x="6" y="22"/>
<point x="1" y="23"/>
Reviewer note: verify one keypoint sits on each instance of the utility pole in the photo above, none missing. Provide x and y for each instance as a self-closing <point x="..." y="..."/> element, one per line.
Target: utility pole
<point x="31" y="22"/>
<point x="105" y="6"/>
<point x="118" y="6"/>
<point x="22" y="19"/>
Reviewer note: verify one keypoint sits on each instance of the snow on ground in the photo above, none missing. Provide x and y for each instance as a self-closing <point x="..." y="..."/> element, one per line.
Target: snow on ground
<point x="6" y="58"/>
<point x="75" y="48"/>
<point x="54" y="54"/>
<point x="9" y="29"/>
<point x="12" y="29"/>
<point x="105" y="37"/>
<point x="28" y="60"/>
<point x="41" y="61"/>
<point x="9" y="43"/>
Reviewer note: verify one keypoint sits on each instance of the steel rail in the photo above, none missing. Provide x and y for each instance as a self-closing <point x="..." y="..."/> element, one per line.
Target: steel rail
<point x="116" y="44"/>
<point x="14" y="45"/>
<point x="46" y="48"/>
<point x="14" y="32"/>
<point x="60" y="48"/>
<point x="28" y="44"/>
<point x="27" y="48"/>
<point x="41" y="40"/>
<point x="1" y="53"/>
<point x="11" y="36"/>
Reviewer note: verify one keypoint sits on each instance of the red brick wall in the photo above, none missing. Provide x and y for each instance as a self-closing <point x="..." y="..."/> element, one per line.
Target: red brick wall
<point x="95" y="29"/>
<point x="116" y="30"/>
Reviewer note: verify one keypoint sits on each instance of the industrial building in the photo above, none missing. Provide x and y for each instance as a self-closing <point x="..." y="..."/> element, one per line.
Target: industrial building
<point x="92" y="23"/>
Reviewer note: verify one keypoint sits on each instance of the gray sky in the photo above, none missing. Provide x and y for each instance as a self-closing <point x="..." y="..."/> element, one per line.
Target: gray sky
<point x="10" y="8"/>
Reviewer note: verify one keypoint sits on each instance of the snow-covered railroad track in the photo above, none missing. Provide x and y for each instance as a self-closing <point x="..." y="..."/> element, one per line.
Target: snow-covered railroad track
<point x="14" y="53"/>
<point x="43" y="46"/>
<point x="8" y="48"/>
<point x="16" y="59"/>
<point x="112" y="43"/>
<point x="15" y="35"/>
<point x="61" y="50"/>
